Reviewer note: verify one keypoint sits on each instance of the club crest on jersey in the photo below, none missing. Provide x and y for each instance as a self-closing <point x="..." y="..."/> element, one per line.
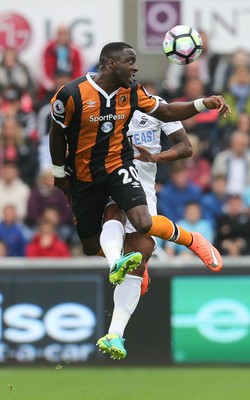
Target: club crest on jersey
<point x="122" y="100"/>
<point x="143" y="121"/>
<point x="58" y="107"/>
<point x="107" y="127"/>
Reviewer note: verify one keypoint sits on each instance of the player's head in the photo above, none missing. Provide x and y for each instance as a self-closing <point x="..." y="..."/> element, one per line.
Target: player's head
<point x="119" y="60"/>
<point x="112" y="50"/>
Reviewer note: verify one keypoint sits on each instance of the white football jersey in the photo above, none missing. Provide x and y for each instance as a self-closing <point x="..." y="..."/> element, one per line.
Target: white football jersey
<point x="145" y="130"/>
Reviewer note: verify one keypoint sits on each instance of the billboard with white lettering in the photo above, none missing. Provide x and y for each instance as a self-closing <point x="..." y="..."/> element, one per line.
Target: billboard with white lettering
<point x="50" y="317"/>
<point x="56" y="316"/>
<point x="210" y="318"/>
<point x="27" y="26"/>
<point x="226" y="22"/>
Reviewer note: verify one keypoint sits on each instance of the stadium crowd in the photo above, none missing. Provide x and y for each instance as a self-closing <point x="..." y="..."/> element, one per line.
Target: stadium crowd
<point x="208" y="192"/>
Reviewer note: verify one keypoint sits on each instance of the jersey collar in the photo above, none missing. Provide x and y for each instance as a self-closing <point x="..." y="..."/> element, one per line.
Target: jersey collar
<point x="107" y="96"/>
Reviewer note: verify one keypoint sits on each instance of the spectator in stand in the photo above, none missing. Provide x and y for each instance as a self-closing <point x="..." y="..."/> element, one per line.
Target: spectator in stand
<point x="199" y="168"/>
<point x="194" y="222"/>
<point x="11" y="232"/>
<point x="60" y="54"/>
<point x="234" y="163"/>
<point x="14" y="105"/>
<point x="233" y="228"/>
<point x="46" y="242"/>
<point x="204" y="125"/>
<point x="3" y="249"/>
<point x="209" y="69"/>
<point x="66" y="232"/>
<point x="13" y="190"/>
<point x="213" y="201"/>
<point x="176" y="193"/>
<point x="239" y="57"/>
<point x="243" y="124"/>
<point x="13" y="72"/>
<point x="45" y="195"/>
<point x="238" y="96"/>
<point x="17" y="148"/>
<point x="246" y="198"/>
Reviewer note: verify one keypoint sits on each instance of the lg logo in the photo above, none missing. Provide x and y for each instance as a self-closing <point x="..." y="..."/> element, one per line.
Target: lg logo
<point x="15" y="31"/>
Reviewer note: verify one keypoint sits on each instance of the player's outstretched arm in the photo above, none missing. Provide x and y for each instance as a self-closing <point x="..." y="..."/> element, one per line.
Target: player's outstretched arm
<point x="184" y="110"/>
<point x="180" y="148"/>
<point x="217" y="102"/>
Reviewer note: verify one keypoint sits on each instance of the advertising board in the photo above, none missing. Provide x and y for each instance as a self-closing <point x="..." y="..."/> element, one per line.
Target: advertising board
<point x="210" y="319"/>
<point x="226" y="22"/>
<point x="50" y="317"/>
<point x="27" y="26"/>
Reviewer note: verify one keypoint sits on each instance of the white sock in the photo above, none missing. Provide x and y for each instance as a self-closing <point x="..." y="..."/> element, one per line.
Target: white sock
<point x="126" y="298"/>
<point x="111" y="240"/>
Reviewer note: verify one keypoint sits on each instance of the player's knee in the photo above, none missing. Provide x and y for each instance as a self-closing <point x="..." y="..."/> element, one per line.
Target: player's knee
<point x="142" y="224"/>
<point x="140" y="219"/>
<point x="89" y="250"/>
<point x="143" y="227"/>
<point x="113" y="212"/>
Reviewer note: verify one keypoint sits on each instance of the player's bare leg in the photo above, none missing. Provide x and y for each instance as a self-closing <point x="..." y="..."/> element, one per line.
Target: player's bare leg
<point x="91" y="246"/>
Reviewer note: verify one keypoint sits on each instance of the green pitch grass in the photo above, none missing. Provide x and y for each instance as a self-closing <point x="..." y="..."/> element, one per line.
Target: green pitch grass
<point x="124" y="383"/>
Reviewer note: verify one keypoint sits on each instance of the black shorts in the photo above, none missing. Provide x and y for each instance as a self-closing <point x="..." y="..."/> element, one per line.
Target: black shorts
<point x="89" y="199"/>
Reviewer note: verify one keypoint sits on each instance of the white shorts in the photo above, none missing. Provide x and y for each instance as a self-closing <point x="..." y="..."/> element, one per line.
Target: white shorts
<point x="147" y="179"/>
<point x="148" y="187"/>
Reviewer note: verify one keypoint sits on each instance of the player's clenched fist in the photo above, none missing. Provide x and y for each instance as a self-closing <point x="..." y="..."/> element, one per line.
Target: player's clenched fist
<point x="65" y="185"/>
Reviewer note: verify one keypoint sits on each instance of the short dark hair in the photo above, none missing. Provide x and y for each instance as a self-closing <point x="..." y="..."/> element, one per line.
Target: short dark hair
<point x="111" y="50"/>
<point x="10" y="163"/>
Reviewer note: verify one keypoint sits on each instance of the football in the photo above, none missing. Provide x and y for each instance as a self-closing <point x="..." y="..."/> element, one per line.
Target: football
<point x="182" y="44"/>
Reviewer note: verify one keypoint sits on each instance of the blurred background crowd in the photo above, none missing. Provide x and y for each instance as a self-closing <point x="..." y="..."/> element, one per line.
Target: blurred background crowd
<point x="209" y="192"/>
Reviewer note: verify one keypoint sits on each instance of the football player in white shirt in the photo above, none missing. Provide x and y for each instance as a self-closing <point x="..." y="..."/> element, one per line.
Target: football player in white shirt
<point x="144" y="133"/>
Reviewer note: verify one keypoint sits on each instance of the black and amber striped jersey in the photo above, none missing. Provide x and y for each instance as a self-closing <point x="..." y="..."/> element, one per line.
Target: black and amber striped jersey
<point x="96" y="124"/>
